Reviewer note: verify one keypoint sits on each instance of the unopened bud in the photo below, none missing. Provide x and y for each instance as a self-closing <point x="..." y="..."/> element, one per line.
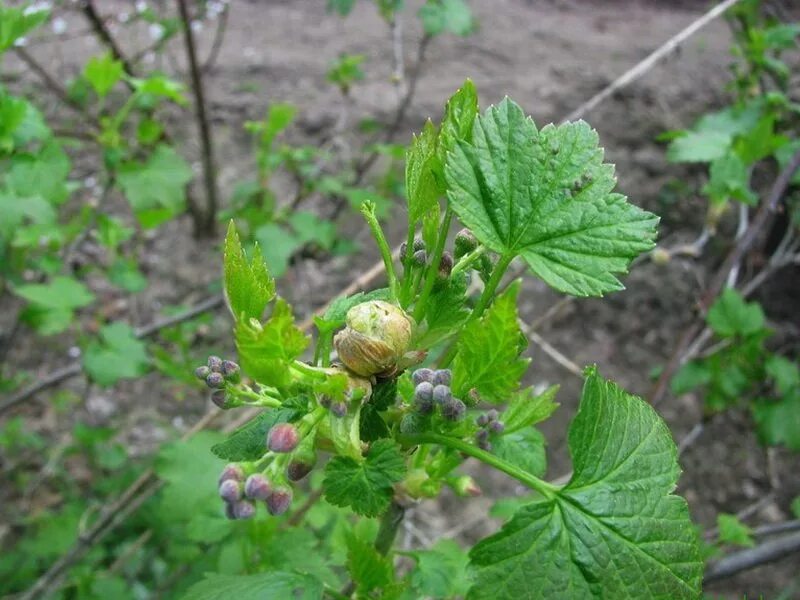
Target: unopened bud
<point x="283" y="438"/>
<point x="424" y="404"/>
<point x="466" y="486"/>
<point x="215" y="380"/>
<point x="419" y="244"/>
<point x="660" y="256"/>
<point x="482" y="420"/>
<point x="339" y="409"/>
<point x="445" y="266"/>
<point x="220" y="398"/>
<point x="232" y="471"/>
<point x="424" y="391"/>
<point x="453" y="409"/>
<point x="442" y="377"/>
<point x="465" y="242"/>
<point x="230" y="490"/>
<point x="325" y="401"/>
<point x="230" y="370"/>
<point x="497" y="427"/>
<point x="441" y="394"/>
<point x="202" y="372"/>
<point x="492" y="414"/>
<point x="296" y="470"/>
<point x="257" y="487"/>
<point x="421" y="375"/>
<point x="244" y="510"/>
<point x="215" y="364"/>
<point x="419" y="258"/>
<point x="482" y="436"/>
<point x="279" y="500"/>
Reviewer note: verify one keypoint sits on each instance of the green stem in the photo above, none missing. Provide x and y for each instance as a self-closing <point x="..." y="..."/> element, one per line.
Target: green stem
<point x="387" y="531"/>
<point x="305" y="369"/>
<point x="548" y="490"/>
<point x="409" y="275"/>
<point x="433" y="267"/>
<point x="491" y="286"/>
<point x="368" y="210"/>
<point x="466" y="261"/>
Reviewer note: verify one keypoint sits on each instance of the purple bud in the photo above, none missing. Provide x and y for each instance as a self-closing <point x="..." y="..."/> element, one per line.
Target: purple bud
<point x="424" y="391"/>
<point x="297" y="470"/>
<point x="497" y="427"/>
<point x="232" y="471"/>
<point x="230" y="370"/>
<point x="257" y="487"/>
<point x="442" y="394"/>
<point x="445" y="266"/>
<point x="465" y="242"/>
<point x="485" y="446"/>
<point x="482" y="436"/>
<point x="339" y="409"/>
<point x="419" y="244"/>
<point x="220" y="398"/>
<point x="229" y="511"/>
<point x="202" y="372"/>
<point x="419" y="258"/>
<point x="482" y="420"/>
<point x="442" y="377"/>
<point x="492" y="415"/>
<point x="230" y="490"/>
<point x="215" y="380"/>
<point x="424" y="404"/>
<point x="453" y="409"/>
<point x="244" y="510"/>
<point x="279" y="501"/>
<point x="215" y="364"/>
<point x="325" y="401"/>
<point x="283" y="437"/>
<point x="421" y="375"/>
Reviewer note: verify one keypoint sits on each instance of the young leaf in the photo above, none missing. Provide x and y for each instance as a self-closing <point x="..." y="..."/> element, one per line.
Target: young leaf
<point x="271" y="585"/>
<point x="546" y="196"/>
<point x="53" y="304"/>
<point x="733" y="531"/>
<point x="248" y="285"/>
<point x="440" y="571"/>
<point x="248" y="442"/>
<point x="699" y="146"/>
<point x="453" y="16"/>
<point x="459" y="115"/>
<point x="445" y="311"/>
<point x="422" y="189"/>
<point x="117" y="355"/>
<point x="526" y="408"/>
<point x="730" y="315"/>
<point x="15" y="23"/>
<point x="778" y="421"/>
<point x="366" y="487"/>
<point x="488" y="352"/>
<point x="337" y="311"/>
<point x="370" y="571"/>
<point x="523" y="448"/>
<point x="615" y="530"/>
<point x="103" y="73"/>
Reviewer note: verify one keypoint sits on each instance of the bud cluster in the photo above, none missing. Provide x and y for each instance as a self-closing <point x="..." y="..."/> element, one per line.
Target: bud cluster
<point x="240" y="493"/>
<point x="216" y="373"/>
<point x="432" y="389"/>
<point x="488" y="423"/>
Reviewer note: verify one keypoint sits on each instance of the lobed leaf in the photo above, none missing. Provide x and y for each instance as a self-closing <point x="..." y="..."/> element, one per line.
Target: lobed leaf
<point x="249" y="441"/>
<point x="248" y="285"/>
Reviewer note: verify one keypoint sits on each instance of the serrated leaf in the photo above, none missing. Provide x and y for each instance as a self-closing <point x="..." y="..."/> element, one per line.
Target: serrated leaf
<point x="266" y="349"/>
<point x="546" y="196"/>
<point x="337" y="311"/>
<point x="422" y="189"/>
<point x="103" y="73"/>
<point x="488" y="352"/>
<point x="118" y="354"/>
<point x="778" y="421"/>
<point x="785" y="373"/>
<point x="370" y="571"/>
<point x="733" y="531"/>
<point x="366" y="487"/>
<point x="249" y="441"/>
<point x="692" y="375"/>
<point x="729" y="178"/>
<point x="524" y="448"/>
<point x="248" y="285"/>
<point x="528" y="408"/>
<point x="445" y="311"/>
<point x="615" y="530"/>
<point x="272" y="585"/>
<point x="440" y="571"/>
<point x="730" y="315"/>
<point x="60" y="293"/>
<point x="459" y="115"/>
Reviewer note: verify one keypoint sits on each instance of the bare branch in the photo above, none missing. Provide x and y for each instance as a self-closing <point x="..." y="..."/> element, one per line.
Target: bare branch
<point x="744" y="560"/>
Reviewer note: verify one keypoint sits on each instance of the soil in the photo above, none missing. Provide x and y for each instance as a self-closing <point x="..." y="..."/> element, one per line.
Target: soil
<point x="549" y="56"/>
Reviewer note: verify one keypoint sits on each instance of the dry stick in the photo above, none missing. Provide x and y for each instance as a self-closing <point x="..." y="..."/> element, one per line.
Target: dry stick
<point x="49" y="81"/>
<point x="219" y="36"/>
<point x="745" y="242"/>
<point x="766" y="552"/>
<point x="367" y="278"/>
<point x="209" y="171"/>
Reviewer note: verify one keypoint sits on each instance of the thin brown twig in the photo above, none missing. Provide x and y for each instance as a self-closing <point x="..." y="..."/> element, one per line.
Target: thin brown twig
<point x="766" y="552"/>
<point x="216" y="44"/>
<point x="100" y="29"/>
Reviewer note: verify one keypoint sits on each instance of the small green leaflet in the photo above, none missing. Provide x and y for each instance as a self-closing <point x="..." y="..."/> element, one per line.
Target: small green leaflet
<point x="699" y="146"/>
<point x="459" y="115"/>
<point x="248" y="442"/>
<point x="453" y="16"/>
<point x="527" y="408"/>
<point x="488" y="352"/>
<point x="17" y="22"/>
<point x="369" y="570"/>
<point x="730" y="315"/>
<point x="103" y="73"/>
<point x="733" y="531"/>
<point x="118" y="354"/>
<point x="445" y="311"/>
<point x="440" y="571"/>
<point x="615" y="530"/>
<point x="546" y="196"/>
<point x="366" y="487"/>
<point x="272" y="585"/>
<point x="524" y="449"/>
<point x="778" y="421"/>
<point x="53" y="304"/>
<point x="248" y="285"/>
<point x="422" y="190"/>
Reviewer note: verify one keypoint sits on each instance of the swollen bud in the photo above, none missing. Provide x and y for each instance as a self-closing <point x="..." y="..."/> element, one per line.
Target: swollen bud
<point x="465" y="486"/>
<point x="465" y="243"/>
<point x="202" y="372"/>
<point x="442" y="394"/>
<point x="215" y="380"/>
<point x="257" y="487"/>
<point x="421" y="375"/>
<point x="445" y="266"/>
<point x="244" y="510"/>
<point x="497" y="427"/>
<point x="297" y="469"/>
<point x="419" y="258"/>
<point x="230" y="490"/>
<point x="220" y="398"/>
<point x="215" y="364"/>
<point x="279" y="500"/>
<point x="302" y="460"/>
<point x="660" y="256"/>
<point x="442" y="377"/>
<point x="232" y="471"/>
<point x="230" y="370"/>
<point x="339" y="409"/>
<point x="283" y="438"/>
<point x="453" y="409"/>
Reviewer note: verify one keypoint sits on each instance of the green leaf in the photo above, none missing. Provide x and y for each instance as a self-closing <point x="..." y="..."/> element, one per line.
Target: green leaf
<point x="370" y="571"/>
<point x="615" y="530"/>
<point x="785" y="373"/>
<point x="546" y="195"/>
<point x="523" y="448"/>
<point x="366" y="487"/>
<point x="488" y="352"/>
<point x="125" y="274"/>
<point x="278" y="244"/>
<point x="440" y="571"/>
<point x="729" y="178"/>
<point x="156" y="188"/>
<point x="103" y="73"/>
<point x="453" y="16"/>
<point x="161" y="86"/>
<point x="249" y="441"/>
<point x="445" y="311"/>
<point x="311" y="229"/>
<point x="266" y="349"/>
<point x="62" y="293"/>
<point x="528" y="408"/>
<point x="272" y="585"/>
<point x="730" y="315"/>
<point x="248" y="285"/>
<point x="337" y="311"/>
<point x="118" y="354"/>
<point x="733" y="531"/>
<point x="422" y="189"/>
<point x="692" y="375"/>
<point x="43" y="175"/>
<point x="15" y="23"/>
<point x="459" y="115"/>
<point x="699" y="146"/>
<point x="778" y="421"/>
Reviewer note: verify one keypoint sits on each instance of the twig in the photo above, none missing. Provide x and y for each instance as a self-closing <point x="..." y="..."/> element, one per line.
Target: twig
<point x="753" y="557"/>
<point x="130" y="551"/>
<point x="552" y="352"/>
<point x="741" y="229"/>
<point x="219" y="36"/>
<point x="209" y="171"/>
<point x="49" y="81"/>
<point x="742" y="246"/>
<point x="104" y="34"/>
<point x="651" y="60"/>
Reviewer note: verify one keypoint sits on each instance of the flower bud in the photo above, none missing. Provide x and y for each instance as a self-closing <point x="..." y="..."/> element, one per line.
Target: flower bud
<point x="283" y="438"/>
<point x="492" y="414"/>
<point x="464" y="243"/>
<point x="232" y="471"/>
<point x="424" y="391"/>
<point x="230" y="370"/>
<point x="215" y="364"/>
<point x="421" y="375"/>
<point x="298" y="469"/>
<point x="445" y="266"/>
<point x="220" y="398"/>
<point x="419" y="258"/>
<point x="424" y="404"/>
<point x="481" y="436"/>
<point x="202" y="372"/>
<point x="442" y="377"/>
<point x="244" y="510"/>
<point x="485" y="267"/>
<point x="453" y="409"/>
<point x="441" y="394"/>
<point x="465" y="486"/>
<point x="482" y="420"/>
<point x="496" y="427"/>
<point x="376" y="336"/>
<point x="419" y="244"/>
<point x="279" y="500"/>
<point x="339" y="409"/>
<point x="230" y="490"/>
<point x="257" y="487"/>
<point x="215" y="380"/>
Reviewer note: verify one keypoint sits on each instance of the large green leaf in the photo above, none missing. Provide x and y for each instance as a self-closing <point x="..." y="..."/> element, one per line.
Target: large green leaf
<point x="615" y="530"/>
<point x="547" y="196"/>
<point x="272" y="585"/>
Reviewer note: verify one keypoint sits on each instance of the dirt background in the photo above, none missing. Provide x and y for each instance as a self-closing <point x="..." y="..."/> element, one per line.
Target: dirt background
<point x="549" y="56"/>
